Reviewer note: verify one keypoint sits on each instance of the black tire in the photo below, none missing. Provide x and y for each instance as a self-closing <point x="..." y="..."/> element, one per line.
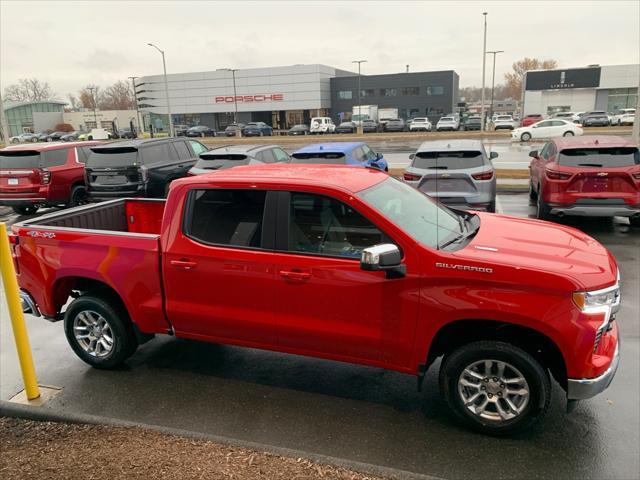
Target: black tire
<point x="568" y="134"/>
<point x="124" y="339"/>
<point x="537" y="384"/>
<point x="90" y="137"/>
<point x="491" y="208"/>
<point x="26" y="209"/>
<point x="78" y="196"/>
<point x="532" y="193"/>
<point x="525" y="137"/>
<point x="543" y="211"/>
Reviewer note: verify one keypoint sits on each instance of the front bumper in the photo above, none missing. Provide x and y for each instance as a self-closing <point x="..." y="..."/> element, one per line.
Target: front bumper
<point x="583" y="388"/>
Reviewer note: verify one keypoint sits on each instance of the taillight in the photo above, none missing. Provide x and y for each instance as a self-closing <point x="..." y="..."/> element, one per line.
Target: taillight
<point x="636" y="175"/>
<point x="45" y="176"/>
<point x="411" y="177"/>
<point x="483" y="176"/>
<point x="555" y="175"/>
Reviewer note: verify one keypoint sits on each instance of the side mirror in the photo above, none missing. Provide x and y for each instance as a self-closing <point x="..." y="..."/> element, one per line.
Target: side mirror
<point x="412" y="156"/>
<point x="386" y="257"/>
<point x="534" y="154"/>
<point x="493" y="155"/>
<point x="378" y="156"/>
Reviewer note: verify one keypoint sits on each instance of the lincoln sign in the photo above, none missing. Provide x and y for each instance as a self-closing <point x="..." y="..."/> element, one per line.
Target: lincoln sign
<point x="267" y="97"/>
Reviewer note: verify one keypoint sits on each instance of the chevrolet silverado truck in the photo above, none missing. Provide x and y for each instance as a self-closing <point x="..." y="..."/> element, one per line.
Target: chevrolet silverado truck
<point x="340" y="263"/>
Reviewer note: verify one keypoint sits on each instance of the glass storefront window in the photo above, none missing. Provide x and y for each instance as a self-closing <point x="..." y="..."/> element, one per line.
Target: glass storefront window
<point x="410" y="91"/>
<point x="369" y="92"/>
<point x="345" y="94"/>
<point x="435" y="90"/>
<point x="622" y="98"/>
<point x="388" y="92"/>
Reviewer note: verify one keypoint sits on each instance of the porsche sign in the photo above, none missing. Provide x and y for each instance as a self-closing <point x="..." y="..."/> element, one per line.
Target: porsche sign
<point x="267" y="97"/>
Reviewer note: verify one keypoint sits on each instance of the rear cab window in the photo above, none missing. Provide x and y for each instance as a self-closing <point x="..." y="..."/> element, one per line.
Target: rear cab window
<point x="449" y="160"/>
<point x="599" y="157"/>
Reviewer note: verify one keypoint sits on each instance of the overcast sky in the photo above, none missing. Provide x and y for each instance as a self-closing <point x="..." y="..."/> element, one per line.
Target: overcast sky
<point x="71" y="44"/>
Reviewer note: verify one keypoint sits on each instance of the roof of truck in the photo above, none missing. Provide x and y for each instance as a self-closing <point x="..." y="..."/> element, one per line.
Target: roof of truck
<point x="343" y="177"/>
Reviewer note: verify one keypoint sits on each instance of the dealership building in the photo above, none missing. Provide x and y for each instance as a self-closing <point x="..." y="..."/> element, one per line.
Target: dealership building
<point x="607" y="88"/>
<point x="284" y="96"/>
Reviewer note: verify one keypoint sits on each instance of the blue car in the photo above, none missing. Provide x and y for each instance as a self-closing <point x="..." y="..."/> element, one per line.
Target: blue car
<point x="257" y="129"/>
<point x="340" y="153"/>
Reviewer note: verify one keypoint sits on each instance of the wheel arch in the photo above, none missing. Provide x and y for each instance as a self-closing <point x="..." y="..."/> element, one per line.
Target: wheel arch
<point x="64" y="287"/>
<point x="460" y="332"/>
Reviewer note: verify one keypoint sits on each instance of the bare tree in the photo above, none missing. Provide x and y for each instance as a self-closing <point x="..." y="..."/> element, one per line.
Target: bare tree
<point x="513" y="79"/>
<point x="118" y="96"/>
<point x="29" y="90"/>
<point x="88" y="99"/>
<point x="73" y="101"/>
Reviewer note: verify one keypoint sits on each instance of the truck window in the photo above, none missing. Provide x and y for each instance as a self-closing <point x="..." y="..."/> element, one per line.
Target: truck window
<point x="55" y="158"/>
<point x="226" y="217"/>
<point x="158" y="153"/>
<point x="281" y="155"/>
<point x="183" y="150"/>
<point x="197" y="147"/>
<point x="324" y="226"/>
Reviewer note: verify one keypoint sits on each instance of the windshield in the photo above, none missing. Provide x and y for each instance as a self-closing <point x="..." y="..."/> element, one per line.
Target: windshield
<point x="332" y="158"/>
<point x="112" y="157"/>
<point x="422" y="218"/>
<point x="17" y="159"/>
<point x="599" y="157"/>
<point x="449" y="160"/>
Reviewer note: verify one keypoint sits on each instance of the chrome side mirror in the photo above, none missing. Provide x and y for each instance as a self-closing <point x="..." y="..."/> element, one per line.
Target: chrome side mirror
<point x="386" y="257"/>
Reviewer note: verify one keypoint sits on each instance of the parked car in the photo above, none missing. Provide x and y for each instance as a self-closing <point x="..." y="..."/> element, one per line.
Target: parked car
<point x="504" y="122"/>
<point x="395" y="125"/>
<point x="139" y="168"/>
<point x="531" y="119"/>
<point x="230" y="131"/>
<point x="627" y="119"/>
<point x="589" y="176"/>
<point x="96" y="134"/>
<point x="370" y="126"/>
<point x="595" y="119"/>
<point x="126" y="133"/>
<point x="547" y="129"/>
<point x="459" y="173"/>
<point x="622" y="113"/>
<point x="51" y="136"/>
<point x="346" y="127"/>
<point x="24" y="138"/>
<point x="180" y="130"/>
<point x="564" y="115"/>
<point x="43" y="175"/>
<point x="237" y="155"/>
<point x="257" y="129"/>
<point x="577" y="117"/>
<point x="473" y="123"/>
<point x="200" y="131"/>
<point x="340" y="153"/>
<point x="322" y="125"/>
<point x="363" y="269"/>
<point x="420" y="124"/>
<point x="70" y="137"/>
<point x="300" y="129"/>
<point x="447" y="123"/>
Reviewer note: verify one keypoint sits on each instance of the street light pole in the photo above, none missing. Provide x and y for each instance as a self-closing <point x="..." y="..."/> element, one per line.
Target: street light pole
<point x="135" y="98"/>
<point x="493" y="77"/>
<point x="484" y="60"/>
<point x="235" y="98"/>
<point x="360" y="129"/>
<point x="93" y="98"/>
<point x="166" y="89"/>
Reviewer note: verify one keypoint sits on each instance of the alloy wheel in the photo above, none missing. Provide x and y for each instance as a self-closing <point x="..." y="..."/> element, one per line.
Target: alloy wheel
<point x="93" y="333"/>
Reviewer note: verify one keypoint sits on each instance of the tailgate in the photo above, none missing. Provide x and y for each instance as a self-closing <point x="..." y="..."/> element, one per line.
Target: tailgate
<point x="614" y="183"/>
<point x="20" y="171"/>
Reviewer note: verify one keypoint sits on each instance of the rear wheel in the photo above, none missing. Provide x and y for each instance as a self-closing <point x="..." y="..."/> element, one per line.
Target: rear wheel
<point x="568" y="134"/>
<point x="495" y="387"/>
<point x="99" y="331"/>
<point x="26" y="209"/>
<point x="78" y="196"/>
<point x="532" y="193"/>
<point x="543" y="211"/>
<point x="525" y="137"/>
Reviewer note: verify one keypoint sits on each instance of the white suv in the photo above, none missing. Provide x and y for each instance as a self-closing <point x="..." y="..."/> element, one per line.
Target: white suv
<point x="504" y="121"/>
<point x="421" y="123"/>
<point x="622" y="116"/>
<point x="322" y="125"/>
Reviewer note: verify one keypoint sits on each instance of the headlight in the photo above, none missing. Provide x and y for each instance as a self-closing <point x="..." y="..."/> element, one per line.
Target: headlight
<point x="598" y="301"/>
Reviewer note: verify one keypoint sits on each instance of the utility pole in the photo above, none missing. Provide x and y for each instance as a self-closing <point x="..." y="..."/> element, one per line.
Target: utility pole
<point x="360" y="129"/>
<point x="135" y="98"/>
<point x="407" y="69"/>
<point x="166" y="89"/>
<point x="93" y="99"/>
<point x="235" y="99"/>
<point x="4" y="127"/>
<point x="493" y="78"/>
<point x="484" y="60"/>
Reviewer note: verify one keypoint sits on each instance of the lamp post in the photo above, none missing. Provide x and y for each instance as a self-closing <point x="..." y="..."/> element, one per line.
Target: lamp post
<point x="493" y="77"/>
<point x="93" y="99"/>
<point x="235" y="98"/>
<point x="360" y="130"/>
<point x="166" y="88"/>
<point x="484" y="59"/>
<point x="135" y="98"/>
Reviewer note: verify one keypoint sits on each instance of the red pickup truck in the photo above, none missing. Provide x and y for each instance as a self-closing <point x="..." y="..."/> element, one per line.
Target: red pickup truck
<point x="336" y="262"/>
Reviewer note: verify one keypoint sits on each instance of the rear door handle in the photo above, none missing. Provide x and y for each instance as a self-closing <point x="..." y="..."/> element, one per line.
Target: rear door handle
<point x="183" y="264"/>
<point x="295" y="275"/>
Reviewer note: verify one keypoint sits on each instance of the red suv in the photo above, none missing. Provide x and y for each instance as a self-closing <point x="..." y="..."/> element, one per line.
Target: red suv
<point x="48" y="174"/>
<point x="595" y="176"/>
<point x="531" y="119"/>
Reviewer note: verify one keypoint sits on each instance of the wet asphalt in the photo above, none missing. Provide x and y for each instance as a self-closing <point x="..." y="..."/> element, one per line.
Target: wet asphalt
<point x="356" y="413"/>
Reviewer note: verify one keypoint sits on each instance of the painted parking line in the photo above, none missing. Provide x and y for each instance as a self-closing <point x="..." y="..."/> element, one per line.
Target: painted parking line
<point x="498" y="205"/>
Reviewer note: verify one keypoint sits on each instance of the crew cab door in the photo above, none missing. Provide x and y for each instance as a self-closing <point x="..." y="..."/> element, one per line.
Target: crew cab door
<point x="218" y="271"/>
<point x="326" y="304"/>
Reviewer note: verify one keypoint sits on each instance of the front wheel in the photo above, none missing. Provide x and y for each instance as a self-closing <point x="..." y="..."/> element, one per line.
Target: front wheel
<point x="495" y="387"/>
<point x="26" y="209"/>
<point x="568" y="134"/>
<point x="525" y="137"/>
<point x="99" y="331"/>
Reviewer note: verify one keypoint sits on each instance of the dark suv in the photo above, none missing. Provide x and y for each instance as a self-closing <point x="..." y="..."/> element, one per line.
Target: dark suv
<point x="139" y="168"/>
<point x="236" y="155"/>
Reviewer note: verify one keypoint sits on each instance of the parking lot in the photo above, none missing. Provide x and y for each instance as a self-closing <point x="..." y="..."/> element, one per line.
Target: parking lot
<point x="346" y="411"/>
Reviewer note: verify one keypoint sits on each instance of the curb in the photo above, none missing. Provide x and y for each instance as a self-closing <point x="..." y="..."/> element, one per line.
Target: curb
<point x="12" y="410"/>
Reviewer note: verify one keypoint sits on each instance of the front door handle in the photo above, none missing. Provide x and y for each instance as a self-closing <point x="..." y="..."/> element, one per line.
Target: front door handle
<point x="183" y="264"/>
<point x="295" y="275"/>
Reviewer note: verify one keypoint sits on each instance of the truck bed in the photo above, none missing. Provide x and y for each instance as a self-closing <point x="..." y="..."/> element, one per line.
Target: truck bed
<point x="121" y="215"/>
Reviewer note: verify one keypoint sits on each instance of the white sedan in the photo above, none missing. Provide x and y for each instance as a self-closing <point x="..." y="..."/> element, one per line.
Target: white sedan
<point x="554" y="127"/>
